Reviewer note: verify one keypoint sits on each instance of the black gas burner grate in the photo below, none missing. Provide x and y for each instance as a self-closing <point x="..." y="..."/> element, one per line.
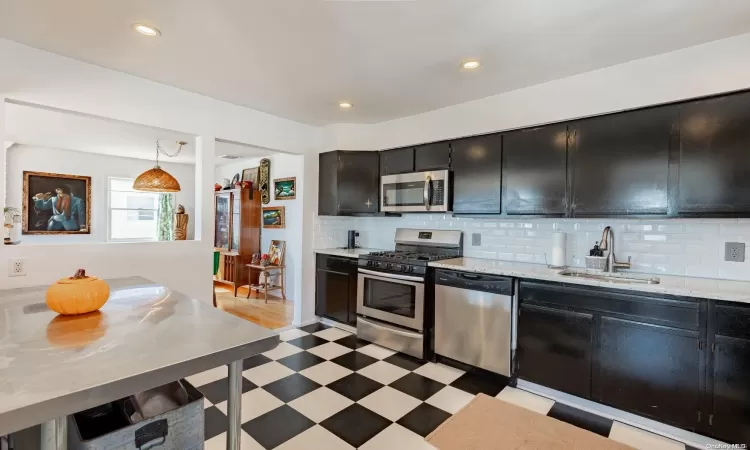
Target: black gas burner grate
<point x="407" y="255"/>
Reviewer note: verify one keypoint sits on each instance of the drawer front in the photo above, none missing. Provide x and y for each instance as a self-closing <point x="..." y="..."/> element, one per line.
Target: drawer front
<point x="665" y="310"/>
<point x="388" y="336"/>
<point x="336" y="263"/>
<point x="732" y="320"/>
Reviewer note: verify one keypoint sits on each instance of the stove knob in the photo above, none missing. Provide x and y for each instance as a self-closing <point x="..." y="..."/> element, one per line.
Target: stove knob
<point x="369" y="263"/>
<point x="411" y="269"/>
<point x="405" y="268"/>
<point x="388" y="266"/>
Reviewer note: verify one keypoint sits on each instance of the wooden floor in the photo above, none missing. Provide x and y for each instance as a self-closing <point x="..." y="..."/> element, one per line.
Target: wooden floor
<point x="277" y="313"/>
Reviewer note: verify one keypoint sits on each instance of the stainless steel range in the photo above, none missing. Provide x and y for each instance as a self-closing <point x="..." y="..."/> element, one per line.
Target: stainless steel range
<point x="391" y="288"/>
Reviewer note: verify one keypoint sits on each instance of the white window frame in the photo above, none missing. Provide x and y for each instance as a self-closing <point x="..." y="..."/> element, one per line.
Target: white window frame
<point x="110" y="209"/>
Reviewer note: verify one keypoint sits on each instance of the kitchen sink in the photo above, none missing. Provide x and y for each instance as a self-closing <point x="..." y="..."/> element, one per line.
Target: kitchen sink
<point x="609" y="277"/>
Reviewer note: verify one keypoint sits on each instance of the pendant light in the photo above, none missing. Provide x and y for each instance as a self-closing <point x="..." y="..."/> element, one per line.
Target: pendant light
<point x="156" y="179"/>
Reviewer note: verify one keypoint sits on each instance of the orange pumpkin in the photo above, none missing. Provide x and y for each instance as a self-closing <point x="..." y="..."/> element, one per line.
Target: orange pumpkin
<point x="76" y="331"/>
<point x="79" y="294"/>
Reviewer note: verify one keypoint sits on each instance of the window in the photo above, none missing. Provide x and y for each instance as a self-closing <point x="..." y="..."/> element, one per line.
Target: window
<point x="133" y="215"/>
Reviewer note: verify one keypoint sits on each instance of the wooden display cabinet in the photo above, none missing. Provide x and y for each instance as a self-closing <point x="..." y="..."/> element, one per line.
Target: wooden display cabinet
<point x="237" y="217"/>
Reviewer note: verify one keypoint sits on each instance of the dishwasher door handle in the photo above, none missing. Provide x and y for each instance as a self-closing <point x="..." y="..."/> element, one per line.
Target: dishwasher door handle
<point x="470" y="276"/>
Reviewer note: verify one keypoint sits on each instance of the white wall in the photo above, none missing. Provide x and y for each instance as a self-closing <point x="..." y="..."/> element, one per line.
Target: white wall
<point x="51" y="80"/>
<point x="99" y="167"/>
<point x="282" y="166"/>
<point x="711" y="68"/>
<point x="235" y="167"/>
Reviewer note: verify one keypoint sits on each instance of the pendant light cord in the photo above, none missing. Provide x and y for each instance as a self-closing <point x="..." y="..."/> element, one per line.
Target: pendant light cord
<point x="159" y="149"/>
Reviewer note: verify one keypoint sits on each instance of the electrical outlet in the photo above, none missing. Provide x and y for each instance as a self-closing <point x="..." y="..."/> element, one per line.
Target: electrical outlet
<point x="17" y="268"/>
<point x="476" y="239"/>
<point x="734" y="251"/>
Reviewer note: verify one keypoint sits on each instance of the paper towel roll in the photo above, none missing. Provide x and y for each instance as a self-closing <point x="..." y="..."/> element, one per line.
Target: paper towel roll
<point x="558" y="249"/>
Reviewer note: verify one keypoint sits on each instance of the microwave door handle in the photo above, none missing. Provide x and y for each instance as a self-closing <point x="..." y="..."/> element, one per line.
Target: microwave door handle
<point x="427" y="193"/>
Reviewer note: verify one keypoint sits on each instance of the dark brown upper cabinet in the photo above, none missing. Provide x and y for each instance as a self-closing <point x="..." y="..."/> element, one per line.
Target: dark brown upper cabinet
<point x="349" y="182"/>
<point x="714" y="156"/>
<point x="619" y="164"/>
<point x="477" y="174"/>
<point x="435" y="156"/>
<point x="535" y="171"/>
<point x="398" y="160"/>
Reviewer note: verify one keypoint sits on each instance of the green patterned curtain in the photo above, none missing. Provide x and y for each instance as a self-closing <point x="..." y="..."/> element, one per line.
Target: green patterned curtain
<point x="165" y="218"/>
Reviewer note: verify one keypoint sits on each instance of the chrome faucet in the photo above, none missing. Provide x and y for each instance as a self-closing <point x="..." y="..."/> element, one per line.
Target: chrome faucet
<point x="608" y="243"/>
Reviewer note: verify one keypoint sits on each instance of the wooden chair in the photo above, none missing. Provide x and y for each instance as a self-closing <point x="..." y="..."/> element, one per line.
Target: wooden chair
<point x="275" y="267"/>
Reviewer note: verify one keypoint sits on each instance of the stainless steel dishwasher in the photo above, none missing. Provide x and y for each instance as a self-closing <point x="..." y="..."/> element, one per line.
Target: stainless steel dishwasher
<point x="473" y="319"/>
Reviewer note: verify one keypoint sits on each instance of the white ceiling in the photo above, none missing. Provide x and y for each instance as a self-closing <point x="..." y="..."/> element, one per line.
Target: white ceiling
<point x="299" y="58"/>
<point x="62" y="130"/>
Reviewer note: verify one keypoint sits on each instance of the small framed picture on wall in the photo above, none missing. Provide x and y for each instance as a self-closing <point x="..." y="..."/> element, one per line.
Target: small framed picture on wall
<point x="273" y="217"/>
<point x="285" y="188"/>
<point x="251" y="175"/>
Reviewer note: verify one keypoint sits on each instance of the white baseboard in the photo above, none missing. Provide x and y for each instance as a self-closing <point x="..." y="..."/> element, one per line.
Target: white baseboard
<point x="305" y="323"/>
<point x="677" y="434"/>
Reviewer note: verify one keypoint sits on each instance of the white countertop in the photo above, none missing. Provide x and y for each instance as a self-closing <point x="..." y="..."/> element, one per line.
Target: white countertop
<point x="347" y="252"/>
<point x="728" y="290"/>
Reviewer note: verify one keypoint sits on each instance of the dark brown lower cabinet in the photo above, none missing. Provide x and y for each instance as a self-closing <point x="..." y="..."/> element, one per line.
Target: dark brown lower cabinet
<point x="555" y="348"/>
<point x="648" y="369"/>
<point x="677" y="360"/>
<point x="731" y="390"/>
<point x="336" y="289"/>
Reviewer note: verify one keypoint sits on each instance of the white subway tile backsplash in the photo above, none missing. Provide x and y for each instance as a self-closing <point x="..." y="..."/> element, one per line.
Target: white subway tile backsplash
<point x="692" y="247"/>
<point x="735" y="229"/>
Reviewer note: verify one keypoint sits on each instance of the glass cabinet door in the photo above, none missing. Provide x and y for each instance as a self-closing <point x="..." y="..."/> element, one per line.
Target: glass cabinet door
<point x="221" y="237"/>
<point x="236" y="222"/>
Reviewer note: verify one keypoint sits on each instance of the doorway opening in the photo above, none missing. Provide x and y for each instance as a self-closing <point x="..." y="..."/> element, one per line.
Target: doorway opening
<point x="255" y="259"/>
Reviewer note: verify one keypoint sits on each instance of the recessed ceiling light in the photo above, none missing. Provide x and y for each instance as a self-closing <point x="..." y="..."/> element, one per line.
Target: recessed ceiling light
<point x="345" y="105"/>
<point x="146" y="30"/>
<point x="473" y="64"/>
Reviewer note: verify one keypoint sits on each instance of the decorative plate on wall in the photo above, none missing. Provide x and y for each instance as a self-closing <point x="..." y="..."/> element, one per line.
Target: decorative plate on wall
<point x="265" y="182"/>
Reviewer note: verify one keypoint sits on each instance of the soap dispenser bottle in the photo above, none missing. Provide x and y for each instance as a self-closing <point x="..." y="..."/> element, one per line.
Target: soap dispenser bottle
<point x="596" y="251"/>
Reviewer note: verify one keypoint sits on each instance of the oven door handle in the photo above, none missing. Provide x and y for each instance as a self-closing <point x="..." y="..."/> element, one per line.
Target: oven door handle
<point x="390" y="328"/>
<point x="387" y="276"/>
<point x="427" y="192"/>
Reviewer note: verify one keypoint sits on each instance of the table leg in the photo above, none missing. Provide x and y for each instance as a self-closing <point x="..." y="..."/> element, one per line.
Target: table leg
<point x="55" y="434"/>
<point x="234" y="405"/>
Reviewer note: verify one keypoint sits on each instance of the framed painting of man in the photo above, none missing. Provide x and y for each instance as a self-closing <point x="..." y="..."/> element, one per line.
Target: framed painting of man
<point x="55" y="203"/>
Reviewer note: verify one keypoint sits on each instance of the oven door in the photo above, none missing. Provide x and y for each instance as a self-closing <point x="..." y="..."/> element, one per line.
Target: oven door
<point x="415" y="192"/>
<point x="392" y="298"/>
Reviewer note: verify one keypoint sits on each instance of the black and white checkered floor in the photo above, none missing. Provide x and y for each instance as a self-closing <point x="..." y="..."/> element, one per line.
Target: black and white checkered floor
<point x="322" y="388"/>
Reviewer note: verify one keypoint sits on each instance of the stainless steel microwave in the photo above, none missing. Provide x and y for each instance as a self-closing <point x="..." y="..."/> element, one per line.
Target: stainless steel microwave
<point x="416" y="192"/>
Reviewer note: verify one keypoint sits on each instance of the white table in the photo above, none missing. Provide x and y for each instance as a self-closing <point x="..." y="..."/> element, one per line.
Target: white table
<point x="145" y="336"/>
